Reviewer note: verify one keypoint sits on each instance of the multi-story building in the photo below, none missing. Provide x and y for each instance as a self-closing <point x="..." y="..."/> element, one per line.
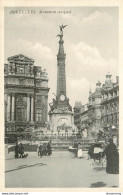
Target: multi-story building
<point x="110" y="105"/>
<point x="94" y="108"/>
<point x="26" y="95"/>
<point x="102" y="111"/>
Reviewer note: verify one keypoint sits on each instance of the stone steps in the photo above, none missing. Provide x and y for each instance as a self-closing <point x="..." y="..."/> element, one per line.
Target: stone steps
<point x="56" y="145"/>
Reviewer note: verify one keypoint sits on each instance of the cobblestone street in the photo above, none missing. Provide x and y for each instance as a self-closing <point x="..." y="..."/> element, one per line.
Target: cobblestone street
<point x="60" y="170"/>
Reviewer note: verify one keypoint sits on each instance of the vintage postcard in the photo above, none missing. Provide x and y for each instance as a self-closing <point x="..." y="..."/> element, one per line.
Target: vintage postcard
<point x="61" y="108"/>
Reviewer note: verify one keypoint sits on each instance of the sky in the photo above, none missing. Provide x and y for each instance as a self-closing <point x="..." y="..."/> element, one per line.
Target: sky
<point x="90" y="44"/>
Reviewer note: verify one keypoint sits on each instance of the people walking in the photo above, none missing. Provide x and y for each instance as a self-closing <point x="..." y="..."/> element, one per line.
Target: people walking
<point x="112" y="158"/>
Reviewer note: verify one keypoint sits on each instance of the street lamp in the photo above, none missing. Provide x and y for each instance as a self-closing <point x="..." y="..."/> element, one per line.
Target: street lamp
<point x="113" y="127"/>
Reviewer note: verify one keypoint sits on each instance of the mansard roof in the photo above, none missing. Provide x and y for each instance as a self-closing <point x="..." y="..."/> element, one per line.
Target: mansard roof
<point x="20" y="57"/>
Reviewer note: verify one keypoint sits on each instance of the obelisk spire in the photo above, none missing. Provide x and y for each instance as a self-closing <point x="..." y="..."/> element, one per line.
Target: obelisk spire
<point x="61" y="76"/>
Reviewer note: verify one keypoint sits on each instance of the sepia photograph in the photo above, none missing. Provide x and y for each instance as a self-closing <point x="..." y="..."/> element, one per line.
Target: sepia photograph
<point x="61" y="97"/>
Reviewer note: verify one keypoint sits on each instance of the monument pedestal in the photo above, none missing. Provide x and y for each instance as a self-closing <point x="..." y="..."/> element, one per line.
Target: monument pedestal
<point x="62" y="122"/>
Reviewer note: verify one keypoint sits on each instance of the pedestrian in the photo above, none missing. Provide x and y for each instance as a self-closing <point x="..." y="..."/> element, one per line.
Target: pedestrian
<point x="16" y="150"/>
<point x="44" y="149"/>
<point x="49" y="150"/>
<point x="21" y="150"/>
<point x="90" y="152"/>
<point x="112" y="158"/>
<point x="41" y="150"/>
<point x="79" y="154"/>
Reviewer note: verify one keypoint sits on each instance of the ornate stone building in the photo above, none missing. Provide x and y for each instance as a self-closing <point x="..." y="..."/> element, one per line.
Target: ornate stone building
<point x="110" y="105"/>
<point x="94" y="108"/>
<point x="102" y="111"/>
<point x="26" y="95"/>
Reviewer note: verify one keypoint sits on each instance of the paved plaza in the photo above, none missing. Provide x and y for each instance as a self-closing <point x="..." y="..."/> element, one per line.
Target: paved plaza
<point x="60" y="170"/>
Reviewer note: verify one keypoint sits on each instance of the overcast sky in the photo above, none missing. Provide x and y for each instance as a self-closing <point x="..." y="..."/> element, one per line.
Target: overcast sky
<point x="90" y="43"/>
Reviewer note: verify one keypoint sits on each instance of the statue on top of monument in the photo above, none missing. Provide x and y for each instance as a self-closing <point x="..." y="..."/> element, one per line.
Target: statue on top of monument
<point x="61" y="30"/>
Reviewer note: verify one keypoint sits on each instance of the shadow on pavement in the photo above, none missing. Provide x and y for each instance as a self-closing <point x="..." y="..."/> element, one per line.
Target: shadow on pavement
<point x="98" y="185"/>
<point x="25" y="166"/>
<point x="10" y="158"/>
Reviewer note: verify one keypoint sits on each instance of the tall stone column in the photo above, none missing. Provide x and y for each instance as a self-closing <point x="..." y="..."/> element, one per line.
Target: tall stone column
<point x="13" y="107"/>
<point x="28" y="107"/>
<point x="32" y="108"/>
<point x="8" y="107"/>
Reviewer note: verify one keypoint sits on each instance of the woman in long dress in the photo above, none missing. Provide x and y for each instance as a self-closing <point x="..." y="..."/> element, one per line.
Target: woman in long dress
<point x="112" y="158"/>
<point x="79" y="154"/>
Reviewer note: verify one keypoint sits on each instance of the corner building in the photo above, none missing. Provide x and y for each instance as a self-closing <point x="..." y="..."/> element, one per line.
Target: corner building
<point x="102" y="111"/>
<point x="26" y="95"/>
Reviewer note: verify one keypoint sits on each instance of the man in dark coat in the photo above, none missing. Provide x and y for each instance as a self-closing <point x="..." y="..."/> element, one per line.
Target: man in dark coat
<point x="91" y="151"/>
<point x="49" y="150"/>
<point x="112" y="157"/>
<point x="21" y="150"/>
<point x="41" y="150"/>
<point x="16" y="150"/>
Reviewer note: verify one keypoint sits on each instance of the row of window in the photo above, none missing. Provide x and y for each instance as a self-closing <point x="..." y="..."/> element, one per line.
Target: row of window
<point x="110" y="95"/>
<point x="21" y="115"/>
<point x="110" y="108"/>
<point x="110" y="119"/>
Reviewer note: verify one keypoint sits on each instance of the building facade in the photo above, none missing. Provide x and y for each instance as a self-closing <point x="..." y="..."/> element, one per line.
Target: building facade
<point x="84" y="116"/>
<point x="110" y="105"/>
<point x="26" y="95"/>
<point x="102" y="113"/>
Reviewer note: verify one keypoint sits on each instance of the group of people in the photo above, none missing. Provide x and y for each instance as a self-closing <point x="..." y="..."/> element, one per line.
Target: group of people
<point x="96" y="152"/>
<point x="19" y="151"/>
<point x="111" y="153"/>
<point x="44" y="149"/>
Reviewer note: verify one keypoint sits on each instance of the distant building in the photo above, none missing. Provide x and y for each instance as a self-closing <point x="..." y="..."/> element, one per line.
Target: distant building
<point x="84" y="117"/>
<point x="26" y="95"/>
<point x="102" y="110"/>
<point x="77" y="117"/>
<point x="94" y="108"/>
